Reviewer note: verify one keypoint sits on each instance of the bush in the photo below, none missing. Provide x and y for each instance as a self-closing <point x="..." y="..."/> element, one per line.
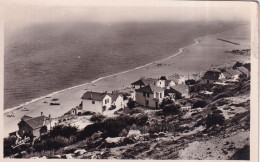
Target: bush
<point x="136" y="110"/>
<point x="88" y="131"/>
<point x="64" y="131"/>
<point x="52" y="143"/>
<point x="171" y="109"/>
<point x="97" y="118"/>
<point x="199" y="103"/>
<point x="222" y="95"/>
<point x="131" y="103"/>
<point x="214" y="119"/>
<point x="8" y="142"/>
<point x="165" y="101"/>
<point x="88" y="113"/>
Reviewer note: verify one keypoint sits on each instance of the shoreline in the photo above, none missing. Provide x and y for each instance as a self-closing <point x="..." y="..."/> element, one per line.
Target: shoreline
<point x="198" y="56"/>
<point x="180" y="50"/>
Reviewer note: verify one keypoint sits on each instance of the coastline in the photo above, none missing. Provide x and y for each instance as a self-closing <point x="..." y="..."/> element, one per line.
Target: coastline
<point x="35" y="106"/>
<point x="180" y="50"/>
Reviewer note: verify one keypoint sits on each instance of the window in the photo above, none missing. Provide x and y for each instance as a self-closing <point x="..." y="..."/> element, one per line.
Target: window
<point x="144" y="94"/>
<point x="148" y="95"/>
<point x="93" y="102"/>
<point x="106" y="101"/>
<point x="160" y="95"/>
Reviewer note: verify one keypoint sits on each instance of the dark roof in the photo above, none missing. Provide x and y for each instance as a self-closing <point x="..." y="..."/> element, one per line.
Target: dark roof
<point x="36" y="122"/>
<point x="145" y="81"/>
<point x="212" y="74"/>
<point x="243" y="70"/>
<point x="96" y="96"/>
<point x="114" y="96"/>
<point x="25" y="117"/>
<point x="231" y="72"/>
<point x="167" y="82"/>
<point x="182" y="88"/>
<point x="149" y="89"/>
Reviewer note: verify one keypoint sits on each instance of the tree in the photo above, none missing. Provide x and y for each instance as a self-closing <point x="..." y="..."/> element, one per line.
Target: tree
<point x="43" y="129"/>
<point x="131" y="103"/>
<point x="165" y="101"/>
<point x="171" y="109"/>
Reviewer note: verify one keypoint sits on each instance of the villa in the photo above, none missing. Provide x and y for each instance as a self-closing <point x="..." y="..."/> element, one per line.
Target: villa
<point x="96" y="101"/>
<point x="212" y="76"/>
<point x="149" y="96"/>
<point x="31" y="126"/>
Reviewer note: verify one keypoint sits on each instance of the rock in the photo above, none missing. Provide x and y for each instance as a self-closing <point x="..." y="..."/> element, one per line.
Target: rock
<point x="23" y="153"/>
<point x="80" y="152"/>
<point x="55" y="157"/>
<point x="68" y="156"/>
<point x="43" y="157"/>
<point x="34" y="158"/>
<point x="114" y="140"/>
<point x="134" y="133"/>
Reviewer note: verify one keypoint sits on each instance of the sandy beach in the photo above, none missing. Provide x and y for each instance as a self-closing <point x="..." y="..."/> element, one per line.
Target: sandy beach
<point x="202" y="54"/>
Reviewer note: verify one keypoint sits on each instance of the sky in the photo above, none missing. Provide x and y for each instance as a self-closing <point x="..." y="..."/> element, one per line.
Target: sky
<point x="20" y="16"/>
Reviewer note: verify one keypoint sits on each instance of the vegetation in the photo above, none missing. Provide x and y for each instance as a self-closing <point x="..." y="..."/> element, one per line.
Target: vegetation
<point x="214" y="119"/>
<point x="131" y="103"/>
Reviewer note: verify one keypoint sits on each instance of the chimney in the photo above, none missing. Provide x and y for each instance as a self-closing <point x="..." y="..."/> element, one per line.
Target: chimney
<point x="41" y="113"/>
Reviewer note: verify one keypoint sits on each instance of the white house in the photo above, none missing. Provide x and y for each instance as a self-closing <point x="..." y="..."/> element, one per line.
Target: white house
<point x="211" y="76"/>
<point x="117" y="100"/>
<point x="149" y="96"/>
<point x="177" y="79"/>
<point x="149" y="81"/>
<point x="96" y="102"/>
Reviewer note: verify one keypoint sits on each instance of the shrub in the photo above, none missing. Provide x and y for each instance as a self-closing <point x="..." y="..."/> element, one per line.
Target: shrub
<point x="136" y="110"/>
<point x="123" y="133"/>
<point x="8" y="142"/>
<point x="165" y="101"/>
<point x="97" y="118"/>
<point x="88" y="113"/>
<point x="113" y="126"/>
<point x="217" y="112"/>
<point x="199" y="103"/>
<point x="214" y="119"/>
<point x="140" y="119"/>
<point x="222" y="95"/>
<point x="131" y="103"/>
<point x="43" y="129"/>
<point x="64" y="131"/>
<point x="88" y="131"/>
<point x="171" y="109"/>
<point x="52" y="143"/>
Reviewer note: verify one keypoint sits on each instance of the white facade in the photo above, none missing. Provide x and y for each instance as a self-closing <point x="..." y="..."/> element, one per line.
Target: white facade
<point x="160" y="83"/>
<point x="149" y="100"/>
<point x="210" y="81"/>
<point x="96" y="106"/>
<point x="119" y="102"/>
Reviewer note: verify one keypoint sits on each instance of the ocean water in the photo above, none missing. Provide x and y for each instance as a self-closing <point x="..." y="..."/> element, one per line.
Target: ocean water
<point x="44" y="58"/>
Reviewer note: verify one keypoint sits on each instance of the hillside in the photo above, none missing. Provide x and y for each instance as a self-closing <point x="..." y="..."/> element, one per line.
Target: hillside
<point x="216" y="127"/>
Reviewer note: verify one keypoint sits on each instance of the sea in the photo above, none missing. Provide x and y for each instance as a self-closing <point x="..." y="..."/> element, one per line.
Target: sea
<point x="44" y="58"/>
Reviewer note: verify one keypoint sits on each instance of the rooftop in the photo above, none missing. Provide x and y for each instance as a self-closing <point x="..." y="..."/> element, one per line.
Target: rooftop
<point x="96" y="96"/>
<point x="150" y="89"/>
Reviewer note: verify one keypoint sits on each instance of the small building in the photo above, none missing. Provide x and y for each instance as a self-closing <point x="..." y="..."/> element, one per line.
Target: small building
<point x="149" y="96"/>
<point x="169" y="83"/>
<point x="231" y="73"/>
<point x="31" y="126"/>
<point x="160" y="82"/>
<point x="244" y="71"/>
<point x="117" y="100"/>
<point x="96" y="101"/>
<point x="180" y="91"/>
<point x="211" y="76"/>
<point x="177" y="79"/>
